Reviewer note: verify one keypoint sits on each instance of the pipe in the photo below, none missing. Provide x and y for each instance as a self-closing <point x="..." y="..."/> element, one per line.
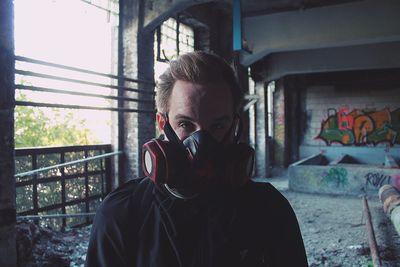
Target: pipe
<point x="371" y="235"/>
<point x="390" y="197"/>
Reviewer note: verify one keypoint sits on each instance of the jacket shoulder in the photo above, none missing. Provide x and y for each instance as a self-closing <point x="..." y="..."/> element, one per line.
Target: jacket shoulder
<point x="125" y="199"/>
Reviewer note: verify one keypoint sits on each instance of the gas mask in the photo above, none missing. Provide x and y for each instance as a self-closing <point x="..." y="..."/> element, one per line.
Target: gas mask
<point x="198" y="162"/>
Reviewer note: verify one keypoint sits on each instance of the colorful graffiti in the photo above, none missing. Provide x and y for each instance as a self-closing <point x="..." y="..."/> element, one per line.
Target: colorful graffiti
<point x="336" y="177"/>
<point x="361" y="127"/>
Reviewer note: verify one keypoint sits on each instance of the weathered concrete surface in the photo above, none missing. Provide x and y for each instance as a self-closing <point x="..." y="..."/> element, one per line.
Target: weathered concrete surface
<point x="8" y="253"/>
<point x="342" y="178"/>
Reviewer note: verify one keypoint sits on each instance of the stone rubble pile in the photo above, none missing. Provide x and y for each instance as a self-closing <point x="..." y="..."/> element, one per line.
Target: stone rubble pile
<point x="43" y="246"/>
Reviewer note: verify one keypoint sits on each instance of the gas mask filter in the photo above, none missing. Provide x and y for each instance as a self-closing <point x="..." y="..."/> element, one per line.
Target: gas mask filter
<point x="197" y="162"/>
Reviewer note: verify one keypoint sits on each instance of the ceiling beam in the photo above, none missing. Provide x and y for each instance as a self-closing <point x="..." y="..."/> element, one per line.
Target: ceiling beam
<point x="157" y="11"/>
<point x="360" y="57"/>
<point x="350" y="24"/>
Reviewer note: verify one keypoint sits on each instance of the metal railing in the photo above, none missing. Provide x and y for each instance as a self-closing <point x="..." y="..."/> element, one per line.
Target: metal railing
<point x="56" y="177"/>
<point x="114" y="78"/>
<point x="56" y="182"/>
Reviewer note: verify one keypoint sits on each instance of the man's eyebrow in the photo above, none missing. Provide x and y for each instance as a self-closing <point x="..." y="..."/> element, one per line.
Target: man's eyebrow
<point x="223" y="118"/>
<point x="183" y="117"/>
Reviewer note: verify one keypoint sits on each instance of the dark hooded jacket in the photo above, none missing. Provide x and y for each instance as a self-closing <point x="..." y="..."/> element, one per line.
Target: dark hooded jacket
<point x="142" y="224"/>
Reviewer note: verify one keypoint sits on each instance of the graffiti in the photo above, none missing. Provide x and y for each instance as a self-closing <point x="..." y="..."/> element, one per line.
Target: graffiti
<point x="361" y="127"/>
<point x="336" y="177"/>
<point x="377" y="179"/>
<point x="345" y="121"/>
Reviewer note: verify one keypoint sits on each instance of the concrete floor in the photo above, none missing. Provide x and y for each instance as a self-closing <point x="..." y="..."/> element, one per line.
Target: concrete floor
<point x="333" y="227"/>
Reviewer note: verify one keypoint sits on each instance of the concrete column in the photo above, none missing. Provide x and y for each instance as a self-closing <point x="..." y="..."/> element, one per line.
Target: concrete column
<point x="8" y="253"/>
<point x="138" y="62"/>
<point x="262" y="159"/>
<point x="279" y="125"/>
<point x="146" y="121"/>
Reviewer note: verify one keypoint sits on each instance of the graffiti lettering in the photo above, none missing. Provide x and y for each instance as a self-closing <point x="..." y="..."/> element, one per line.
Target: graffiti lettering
<point x="345" y="121"/>
<point x="336" y="177"/>
<point x="361" y="127"/>
<point x="377" y="179"/>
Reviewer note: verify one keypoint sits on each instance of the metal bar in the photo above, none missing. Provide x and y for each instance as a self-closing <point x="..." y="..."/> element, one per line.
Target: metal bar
<point x="60" y="91"/>
<point x="34" y="187"/>
<point x="371" y="235"/>
<point x="177" y="33"/>
<point x="121" y="120"/>
<point x="63" y="195"/>
<point x="48" y="76"/>
<point x="100" y="7"/>
<point x="57" y="149"/>
<point x="54" y="216"/>
<point x="59" y="205"/>
<point x="67" y="163"/>
<point x="30" y="60"/>
<point x="49" y="105"/>
<point x="50" y="179"/>
<point x="86" y="187"/>
<point x="237" y="25"/>
<point x="108" y="176"/>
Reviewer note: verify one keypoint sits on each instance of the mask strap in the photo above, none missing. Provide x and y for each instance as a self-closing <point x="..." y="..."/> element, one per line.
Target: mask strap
<point x="237" y="133"/>
<point x="170" y="133"/>
<point x="239" y="129"/>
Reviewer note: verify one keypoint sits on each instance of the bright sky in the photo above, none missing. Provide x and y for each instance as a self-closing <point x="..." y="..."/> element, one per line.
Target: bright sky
<point x="68" y="32"/>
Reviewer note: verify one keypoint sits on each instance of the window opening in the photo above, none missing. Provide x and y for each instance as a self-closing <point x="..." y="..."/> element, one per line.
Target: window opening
<point x="64" y="75"/>
<point x="252" y="116"/>
<point x="46" y="38"/>
<point x="270" y="97"/>
<point x="173" y="38"/>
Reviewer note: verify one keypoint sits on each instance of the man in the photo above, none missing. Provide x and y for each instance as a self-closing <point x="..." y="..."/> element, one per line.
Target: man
<point x="197" y="205"/>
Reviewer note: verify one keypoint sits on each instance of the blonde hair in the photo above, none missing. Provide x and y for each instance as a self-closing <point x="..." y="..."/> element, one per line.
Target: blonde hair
<point x="201" y="68"/>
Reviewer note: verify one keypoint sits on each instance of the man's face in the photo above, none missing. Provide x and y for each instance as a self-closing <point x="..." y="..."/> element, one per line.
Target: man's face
<point x="194" y="107"/>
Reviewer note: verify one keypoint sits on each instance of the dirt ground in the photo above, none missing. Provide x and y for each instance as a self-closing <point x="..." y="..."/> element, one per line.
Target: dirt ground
<point x="334" y="230"/>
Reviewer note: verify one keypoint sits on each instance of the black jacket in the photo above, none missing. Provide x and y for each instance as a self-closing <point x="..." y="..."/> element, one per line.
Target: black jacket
<point x="141" y="224"/>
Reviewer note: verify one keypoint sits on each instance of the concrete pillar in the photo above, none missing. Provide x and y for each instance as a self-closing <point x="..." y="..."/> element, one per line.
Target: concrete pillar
<point x="279" y="125"/>
<point x="262" y="160"/>
<point x="138" y="62"/>
<point x="8" y="252"/>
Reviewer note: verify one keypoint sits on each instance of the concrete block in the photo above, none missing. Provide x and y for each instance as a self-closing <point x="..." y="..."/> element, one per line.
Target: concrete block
<point x="342" y="178"/>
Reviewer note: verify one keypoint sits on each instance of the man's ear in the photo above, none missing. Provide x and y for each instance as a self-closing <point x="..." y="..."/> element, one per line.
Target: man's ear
<point x="160" y="121"/>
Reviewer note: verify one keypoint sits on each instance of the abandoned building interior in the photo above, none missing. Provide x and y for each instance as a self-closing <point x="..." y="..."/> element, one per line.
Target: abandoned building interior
<point x="322" y="99"/>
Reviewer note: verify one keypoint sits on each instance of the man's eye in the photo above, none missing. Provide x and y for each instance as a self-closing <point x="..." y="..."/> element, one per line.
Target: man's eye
<point x="219" y="126"/>
<point x="185" y="124"/>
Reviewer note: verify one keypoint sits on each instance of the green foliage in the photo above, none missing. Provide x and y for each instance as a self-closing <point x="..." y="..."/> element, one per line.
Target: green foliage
<point x="35" y="127"/>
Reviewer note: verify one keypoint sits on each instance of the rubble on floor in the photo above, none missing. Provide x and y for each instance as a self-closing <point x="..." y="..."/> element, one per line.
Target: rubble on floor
<point x="43" y="246"/>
